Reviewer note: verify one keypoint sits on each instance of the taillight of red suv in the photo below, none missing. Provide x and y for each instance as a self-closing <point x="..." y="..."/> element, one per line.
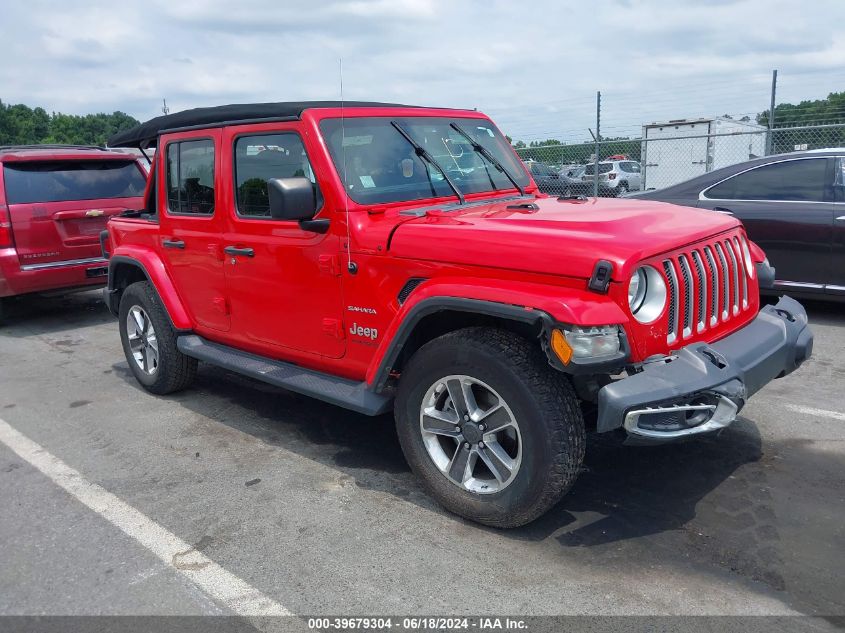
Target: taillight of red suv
<point x="5" y="227"/>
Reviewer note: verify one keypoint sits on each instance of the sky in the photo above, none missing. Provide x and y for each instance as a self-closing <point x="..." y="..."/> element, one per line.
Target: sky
<point x="534" y="66"/>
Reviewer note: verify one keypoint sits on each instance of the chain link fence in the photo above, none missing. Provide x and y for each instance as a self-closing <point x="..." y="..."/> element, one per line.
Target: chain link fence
<point x="666" y="153"/>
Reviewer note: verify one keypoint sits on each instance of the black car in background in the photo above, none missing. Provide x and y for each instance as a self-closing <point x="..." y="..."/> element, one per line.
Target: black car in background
<point x="792" y="205"/>
<point x="548" y="179"/>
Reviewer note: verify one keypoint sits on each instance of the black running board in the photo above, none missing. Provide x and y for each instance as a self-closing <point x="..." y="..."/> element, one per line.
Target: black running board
<point x="338" y="391"/>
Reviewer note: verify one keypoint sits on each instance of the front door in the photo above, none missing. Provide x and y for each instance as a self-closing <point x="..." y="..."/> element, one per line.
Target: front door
<point x="192" y="221"/>
<point x="837" y="283"/>
<point x="284" y="283"/>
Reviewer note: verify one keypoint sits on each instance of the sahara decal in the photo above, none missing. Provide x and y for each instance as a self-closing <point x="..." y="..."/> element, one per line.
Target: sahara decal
<point x="361" y="309"/>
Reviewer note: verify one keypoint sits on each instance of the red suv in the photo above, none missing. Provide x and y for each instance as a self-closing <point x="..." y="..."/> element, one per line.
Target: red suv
<point x="54" y="202"/>
<point x="391" y="258"/>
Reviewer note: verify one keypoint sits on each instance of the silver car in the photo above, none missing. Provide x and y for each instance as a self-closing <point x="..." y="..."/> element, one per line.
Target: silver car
<point x="616" y="177"/>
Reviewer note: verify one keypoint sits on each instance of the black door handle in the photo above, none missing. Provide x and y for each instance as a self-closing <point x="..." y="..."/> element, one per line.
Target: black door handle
<point x="723" y="210"/>
<point x="234" y="250"/>
<point x="173" y="243"/>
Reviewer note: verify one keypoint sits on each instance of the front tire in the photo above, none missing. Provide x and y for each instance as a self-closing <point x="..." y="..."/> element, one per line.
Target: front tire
<point x="149" y="342"/>
<point x="495" y="434"/>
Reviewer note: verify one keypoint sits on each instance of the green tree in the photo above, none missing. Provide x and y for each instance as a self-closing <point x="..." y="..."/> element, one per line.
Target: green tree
<point x="22" y="125"/>
<point x="818" y="112"/>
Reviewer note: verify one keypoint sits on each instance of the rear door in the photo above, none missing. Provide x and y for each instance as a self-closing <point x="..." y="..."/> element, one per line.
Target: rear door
<point x="58" y="208"/>
<point x="192" y="221"/>
<point x="787" y="208"/>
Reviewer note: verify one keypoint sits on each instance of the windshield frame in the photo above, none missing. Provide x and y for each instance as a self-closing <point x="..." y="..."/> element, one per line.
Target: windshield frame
<point x="498" y="146"/>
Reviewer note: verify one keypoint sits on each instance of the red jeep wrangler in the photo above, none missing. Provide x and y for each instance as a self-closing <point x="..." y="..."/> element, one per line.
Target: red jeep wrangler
<point x="382" y="257"/>
<point x="54" y="202"/>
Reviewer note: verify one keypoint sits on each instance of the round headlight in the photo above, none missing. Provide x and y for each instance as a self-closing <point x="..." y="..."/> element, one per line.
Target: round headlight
<point x="646" y="294"/>
<point x="636" y="290"/>
<point x="746" y="256"/>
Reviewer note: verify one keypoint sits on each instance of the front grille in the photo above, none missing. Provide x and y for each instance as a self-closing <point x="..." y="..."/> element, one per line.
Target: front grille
<point x="686" y="275"/>
<point x="714" y="286"/>
<point x="672" y="281"/>
<point x="707" y="284"/>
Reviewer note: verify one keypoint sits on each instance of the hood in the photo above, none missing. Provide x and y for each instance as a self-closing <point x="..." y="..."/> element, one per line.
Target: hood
<point x="559" y="237"/>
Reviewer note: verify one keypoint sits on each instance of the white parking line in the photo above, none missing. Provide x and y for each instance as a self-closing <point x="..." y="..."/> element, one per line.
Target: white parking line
<point x="821" y="413"/>
<point x="223" y="586"/>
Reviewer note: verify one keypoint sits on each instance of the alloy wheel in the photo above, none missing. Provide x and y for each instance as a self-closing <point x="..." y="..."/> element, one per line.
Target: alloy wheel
<point x="142" y="339"/>
<point x="471" y="434"/>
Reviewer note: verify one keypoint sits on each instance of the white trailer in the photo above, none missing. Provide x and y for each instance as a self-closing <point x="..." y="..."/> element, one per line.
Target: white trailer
<point x="681" y="149"/>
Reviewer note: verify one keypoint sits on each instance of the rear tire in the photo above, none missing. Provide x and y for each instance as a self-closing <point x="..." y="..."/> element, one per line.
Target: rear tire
<point x="539" y="453"/>
<point x="149" y="342"/>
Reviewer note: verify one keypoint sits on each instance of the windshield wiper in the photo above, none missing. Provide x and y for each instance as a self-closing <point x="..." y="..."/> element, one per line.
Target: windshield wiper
<point x="486" y="154"/>
<point x="423" y="153"/>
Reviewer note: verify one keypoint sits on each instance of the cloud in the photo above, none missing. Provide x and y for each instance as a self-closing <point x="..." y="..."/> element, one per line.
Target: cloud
<point x="535" y="67"/>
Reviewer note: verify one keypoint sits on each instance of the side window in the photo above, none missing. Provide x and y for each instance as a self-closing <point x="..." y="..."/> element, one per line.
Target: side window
<point x="262" y="158"/>
<point x="190" y="177"/>
<point x="839" y="180"/>
<point x="794" y="180"/>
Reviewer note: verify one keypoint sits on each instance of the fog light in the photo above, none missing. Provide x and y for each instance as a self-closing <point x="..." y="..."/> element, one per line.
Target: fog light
<point x="593" y="342"/>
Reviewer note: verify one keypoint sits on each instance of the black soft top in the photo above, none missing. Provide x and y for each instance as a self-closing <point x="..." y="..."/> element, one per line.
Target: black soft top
<point x="146" y="134"/>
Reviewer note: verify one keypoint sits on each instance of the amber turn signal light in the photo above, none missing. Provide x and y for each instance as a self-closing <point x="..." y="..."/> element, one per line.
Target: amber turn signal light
<point x="561" y="347"/>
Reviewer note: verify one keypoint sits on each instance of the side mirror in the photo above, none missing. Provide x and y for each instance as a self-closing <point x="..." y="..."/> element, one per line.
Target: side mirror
<point x="291" y="199"/>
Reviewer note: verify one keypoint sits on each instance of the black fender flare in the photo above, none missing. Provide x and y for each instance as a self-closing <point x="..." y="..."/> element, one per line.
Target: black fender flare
<point x="432" y="305"/>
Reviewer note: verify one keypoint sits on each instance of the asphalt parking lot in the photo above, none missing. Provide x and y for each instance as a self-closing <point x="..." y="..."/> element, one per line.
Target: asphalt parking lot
<point x="314" y="510"/>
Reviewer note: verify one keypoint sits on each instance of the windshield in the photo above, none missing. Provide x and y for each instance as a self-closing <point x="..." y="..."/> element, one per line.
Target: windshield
<point x="378" y="165"/>
<point x="28" y="182"/>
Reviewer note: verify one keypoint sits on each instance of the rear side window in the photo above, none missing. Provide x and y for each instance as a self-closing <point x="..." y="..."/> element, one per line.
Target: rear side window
<point x="56" y="181"/>
<point x="794" y="180"/>
<point x="262" y="158"/>
<point x="190" y="177"/>
<point x="603" y="168"/>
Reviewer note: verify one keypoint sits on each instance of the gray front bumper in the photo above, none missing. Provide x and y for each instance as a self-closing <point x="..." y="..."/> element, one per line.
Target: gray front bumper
<point x="722" y="374"/>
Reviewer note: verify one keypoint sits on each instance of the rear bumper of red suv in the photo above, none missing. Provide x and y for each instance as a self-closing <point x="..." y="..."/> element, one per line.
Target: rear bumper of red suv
<point x="42" y="277"/>
<point x="703" y="386"/>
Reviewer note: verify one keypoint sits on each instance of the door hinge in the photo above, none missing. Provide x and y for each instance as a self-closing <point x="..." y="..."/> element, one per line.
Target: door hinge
<point x="332" y="328"/>
<point x="330" y="264"/>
